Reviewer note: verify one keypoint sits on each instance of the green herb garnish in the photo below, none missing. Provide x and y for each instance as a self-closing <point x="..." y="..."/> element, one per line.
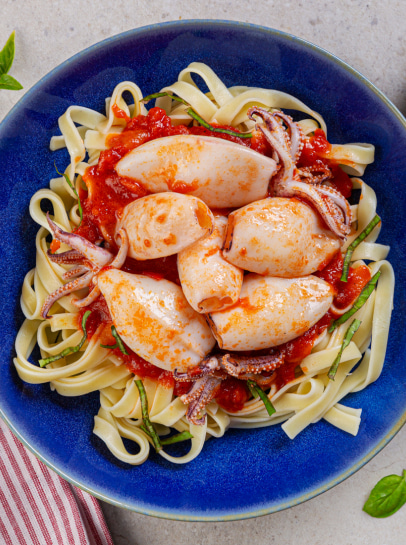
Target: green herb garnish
<point x="119" y="343"/>
<point x="362" y="299"/>
<point x="347" y="339"/>
<point x="6" y="61"/>
<point x="147" y="424"/>
<point x="196" y="116"/>
<point x="256" y="391"/>
<point x="177" y="438"/>
<point x="387" y="496"/>
<point x="347" y="260"/>
<point x="70" y="349"/>
<point x="70" y="184"/>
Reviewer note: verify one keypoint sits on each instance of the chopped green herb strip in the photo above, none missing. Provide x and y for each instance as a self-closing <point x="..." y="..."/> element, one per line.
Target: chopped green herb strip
<point x="257" y="391"/>
<point x="197" y="117"/>
<point x="70" y="349"/>
<point x="347" y="260"/>
<point x="146" y="99"/>
<point x="6" y="61"/>
<point x="362" y="299"/>
<point x="183" y="436"/>
<point x="119" y="344"/>
<point x="145" y="429"/>
<point x="347" y="339"/>
<point x="387" y="496"/>
<point x="149" y="428"/>
<point x="70" y="184"/>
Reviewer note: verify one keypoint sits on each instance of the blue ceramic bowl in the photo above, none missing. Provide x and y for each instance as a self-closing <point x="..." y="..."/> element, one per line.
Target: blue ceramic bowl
<point x="246" y="473"/>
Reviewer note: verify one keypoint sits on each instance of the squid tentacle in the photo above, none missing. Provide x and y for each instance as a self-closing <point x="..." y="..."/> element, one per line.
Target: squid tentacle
<point x="236" y="366"/>
<point x="213" y="369"/>
<point x="208" y="366"/>
<point x="90" y="298"/>
<point x="98" y="256"/>
<point x="296" y="135"/>
<point x="315" y="175"/>
<point x="331" y="205"/>
<point x="76" y="271"/>
<point x="261" y="380"/>
<point x="118" y="261"/>
<point x="71" y="257"/>
<point x="90" y="260"/>
<point x="337" y="215"/>
<point x="77" y="284"/>
<point x="203" y="391"/>
<point x="276" y="136"/>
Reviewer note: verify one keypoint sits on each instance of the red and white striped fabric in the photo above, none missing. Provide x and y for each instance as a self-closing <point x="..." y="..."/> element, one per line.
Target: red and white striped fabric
<point x="37" y="507"/>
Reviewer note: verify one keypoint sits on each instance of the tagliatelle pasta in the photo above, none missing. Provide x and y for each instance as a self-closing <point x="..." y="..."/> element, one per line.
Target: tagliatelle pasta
<point x="298" y="387"/>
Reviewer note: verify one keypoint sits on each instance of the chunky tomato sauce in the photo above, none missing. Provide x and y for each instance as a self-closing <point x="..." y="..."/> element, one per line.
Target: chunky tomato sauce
<point x="347" y="292"/>
<point x="232" y="394"/>
<point x="107" y="194"/>
<point x="316" y="153"/>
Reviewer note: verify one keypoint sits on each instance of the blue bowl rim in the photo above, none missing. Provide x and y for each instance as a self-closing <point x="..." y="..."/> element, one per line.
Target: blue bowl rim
<point x="388" y="437"/>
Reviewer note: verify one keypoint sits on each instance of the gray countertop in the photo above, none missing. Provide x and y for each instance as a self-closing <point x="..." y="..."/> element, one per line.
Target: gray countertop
<point x="371" y="38"/>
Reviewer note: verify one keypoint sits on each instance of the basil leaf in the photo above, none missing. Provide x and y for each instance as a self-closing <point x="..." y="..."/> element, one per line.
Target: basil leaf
<point x="119" y="343"/>
<point x="183" y="436"/>
<point x="347" y="260"/>
<point x="347" y="339"/>
<point x="257" y="391"/>
<point x="206" y="125"/>
<point x="7" y="55"/>
<point x="361" y="300"/>
<point x="147" y="426"/>
<point x="8" y="82"/>
<point x="387" y="496"/>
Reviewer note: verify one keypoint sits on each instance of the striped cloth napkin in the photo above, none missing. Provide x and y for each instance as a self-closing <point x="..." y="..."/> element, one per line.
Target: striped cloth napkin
<point x="37" y="507"/>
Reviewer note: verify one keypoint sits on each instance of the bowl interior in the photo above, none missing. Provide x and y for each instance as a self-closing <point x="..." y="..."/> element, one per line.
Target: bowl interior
<point x="246" y="473"/>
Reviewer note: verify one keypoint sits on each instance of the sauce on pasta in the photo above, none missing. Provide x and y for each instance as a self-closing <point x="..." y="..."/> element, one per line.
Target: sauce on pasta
<point x="95" y="148"/>
<point x="107" y="195"/>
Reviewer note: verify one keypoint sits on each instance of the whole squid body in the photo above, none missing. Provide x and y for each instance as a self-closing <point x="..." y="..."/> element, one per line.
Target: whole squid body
<point x="278" y="237"/>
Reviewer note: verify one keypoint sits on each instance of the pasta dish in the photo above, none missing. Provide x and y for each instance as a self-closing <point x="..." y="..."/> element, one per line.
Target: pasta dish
<point x="204" y="264"/>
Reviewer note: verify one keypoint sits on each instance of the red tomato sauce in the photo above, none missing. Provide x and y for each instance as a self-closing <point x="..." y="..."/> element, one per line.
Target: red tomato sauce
<point x="347" y="292"/>
<point x="232" y="394"/>
<point x="108" y="193"/>
<point x="315" y="154"/>
<point x="144" y="369"/>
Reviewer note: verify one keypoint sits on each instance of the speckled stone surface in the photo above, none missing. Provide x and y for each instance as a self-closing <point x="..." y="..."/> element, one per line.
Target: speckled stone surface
<point x="370" y="37"/>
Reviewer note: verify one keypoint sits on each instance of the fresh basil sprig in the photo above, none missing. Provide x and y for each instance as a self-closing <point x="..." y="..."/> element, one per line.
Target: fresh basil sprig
<point x="119" y="343"/>
<point x="347" y="339"/>
<point x="70" y="349"/>
<point x="347" y="259"/>
<point x="196" y="116"/>
<point x="70" y="184"/>
<point x="361" y="300"/>
<point x="387" y="496"/>
<point x="6" y="61"/>
<point x="256" y="391"/>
